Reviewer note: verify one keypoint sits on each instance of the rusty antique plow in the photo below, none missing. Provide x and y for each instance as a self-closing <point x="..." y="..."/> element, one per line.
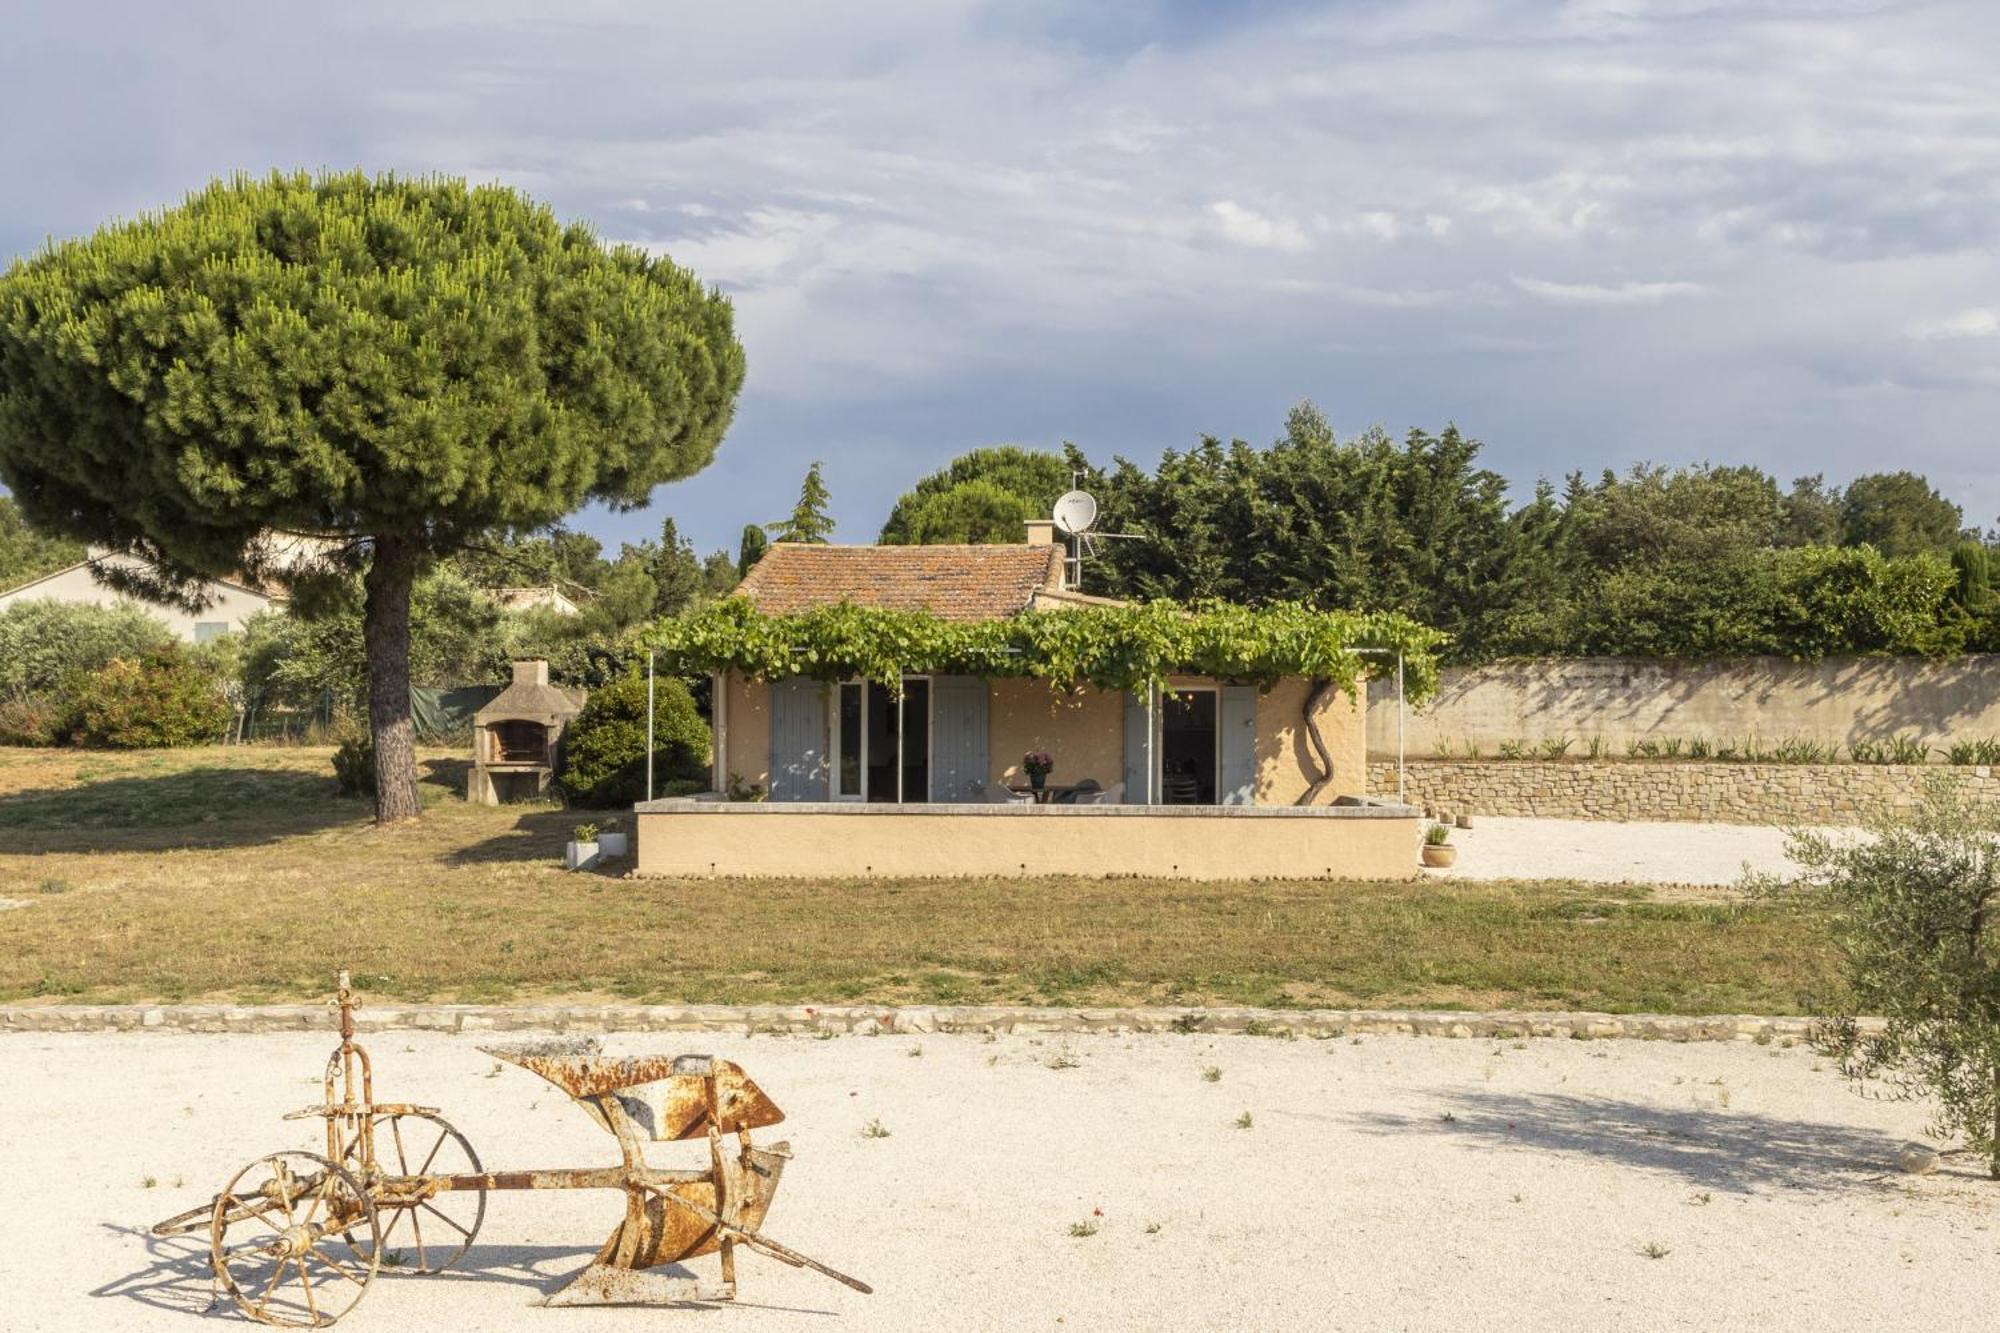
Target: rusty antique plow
<point x="297" y="1238"/>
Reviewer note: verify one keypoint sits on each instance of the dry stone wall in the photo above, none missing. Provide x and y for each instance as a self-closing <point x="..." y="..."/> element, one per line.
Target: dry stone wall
<point x="1673" y="790"/>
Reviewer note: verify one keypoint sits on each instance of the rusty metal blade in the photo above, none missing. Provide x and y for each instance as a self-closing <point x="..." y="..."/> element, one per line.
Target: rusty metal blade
<point x="666" y="1096"/>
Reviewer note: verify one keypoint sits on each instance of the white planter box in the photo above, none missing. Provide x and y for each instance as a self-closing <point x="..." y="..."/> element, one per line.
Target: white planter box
<point x="614" y="846"/>
<point x="579" y="855"/>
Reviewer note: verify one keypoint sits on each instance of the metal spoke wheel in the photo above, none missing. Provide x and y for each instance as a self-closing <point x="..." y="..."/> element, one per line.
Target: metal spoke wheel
<point x="275" y="1240"/>
<point x="423" y="1231"/>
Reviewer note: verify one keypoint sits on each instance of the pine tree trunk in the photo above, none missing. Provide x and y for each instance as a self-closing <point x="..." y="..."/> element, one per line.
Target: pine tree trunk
<point x="385" y="630"/>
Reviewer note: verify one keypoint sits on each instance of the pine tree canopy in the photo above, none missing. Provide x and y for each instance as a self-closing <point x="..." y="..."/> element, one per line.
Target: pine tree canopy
<point x="349" y="356"/>
<point x="399" y="365"/>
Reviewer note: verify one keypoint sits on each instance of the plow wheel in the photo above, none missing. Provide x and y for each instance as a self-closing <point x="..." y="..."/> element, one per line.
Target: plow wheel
<point x="275" y="1240"/>
<point x="422" y="1231"/>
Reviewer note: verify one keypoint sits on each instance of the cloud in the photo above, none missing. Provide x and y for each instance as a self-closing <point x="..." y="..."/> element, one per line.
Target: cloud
<point x="1965" y="324"/>
<point x="950" y="224"/>
<point x="1247" y="227"/>
<point x="1598" y="293"/>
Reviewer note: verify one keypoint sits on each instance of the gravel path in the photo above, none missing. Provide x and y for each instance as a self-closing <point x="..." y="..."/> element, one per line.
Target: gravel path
<point x="1385" y="1183"/>
<point x="1498" y="847"/>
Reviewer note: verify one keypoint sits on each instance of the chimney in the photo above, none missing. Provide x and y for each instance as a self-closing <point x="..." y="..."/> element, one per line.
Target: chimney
<point x="531" y="673"/>
<point x="1041" y="532"/>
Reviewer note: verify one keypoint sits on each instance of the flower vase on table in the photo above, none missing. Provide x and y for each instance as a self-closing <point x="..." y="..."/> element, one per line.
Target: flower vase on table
<point x="1037" y="764"/>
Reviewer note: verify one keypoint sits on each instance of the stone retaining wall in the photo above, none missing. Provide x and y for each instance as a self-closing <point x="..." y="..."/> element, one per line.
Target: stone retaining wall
<point x="864" y="1020"/>
<point x="1670" y="789"/>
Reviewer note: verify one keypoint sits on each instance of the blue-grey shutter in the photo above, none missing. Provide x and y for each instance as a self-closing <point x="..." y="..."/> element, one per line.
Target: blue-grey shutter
<point x="960" y="765"/>
<point x="1239" y="746"/>
<point x="798" y="740"/>
<point x="1138" y="749"/>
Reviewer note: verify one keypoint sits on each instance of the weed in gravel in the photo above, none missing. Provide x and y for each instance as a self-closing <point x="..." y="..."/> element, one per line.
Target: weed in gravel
<point x="915" y="1052"/>
<point x="1244" y="1121"/>
<point x="1212" y="1074"/>
<point x="1152" y="1228"/>
<point x="1079" y="1230"/>
<point x="1062" y="1059"/>
<point x="1652" y="1249"/>
<point x="1701" y="1200"/>
<point x="874" y="1129"/>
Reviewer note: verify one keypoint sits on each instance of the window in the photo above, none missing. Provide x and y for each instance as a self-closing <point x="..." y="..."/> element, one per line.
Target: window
<point x="205" y="630"/>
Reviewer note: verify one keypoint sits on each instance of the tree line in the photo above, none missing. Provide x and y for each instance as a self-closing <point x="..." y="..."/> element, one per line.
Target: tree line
<point x="1700" y="561"/>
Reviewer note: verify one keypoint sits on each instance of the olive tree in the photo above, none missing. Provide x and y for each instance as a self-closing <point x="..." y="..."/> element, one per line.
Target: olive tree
<point x="1914" y="908"/>
<point x="391" y="367"/>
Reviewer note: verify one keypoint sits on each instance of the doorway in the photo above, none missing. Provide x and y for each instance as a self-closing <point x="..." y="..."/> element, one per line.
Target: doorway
<point x="882" y="746"/>
<point x="1190" y="746"/>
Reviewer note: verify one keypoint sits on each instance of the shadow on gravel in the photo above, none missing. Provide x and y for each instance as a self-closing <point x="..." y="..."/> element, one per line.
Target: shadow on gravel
<point x="177" y="1277"/>
<point x="1736" y="1152"/>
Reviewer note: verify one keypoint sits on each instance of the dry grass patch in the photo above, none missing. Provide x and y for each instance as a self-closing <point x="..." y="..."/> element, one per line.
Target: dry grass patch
<point x="237" y="874"/>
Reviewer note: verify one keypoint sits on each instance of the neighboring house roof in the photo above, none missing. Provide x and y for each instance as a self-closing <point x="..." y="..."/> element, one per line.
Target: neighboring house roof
<point x="522" y="599"/>
<point x="955" y="582"/>
<point x="111" y="558"/>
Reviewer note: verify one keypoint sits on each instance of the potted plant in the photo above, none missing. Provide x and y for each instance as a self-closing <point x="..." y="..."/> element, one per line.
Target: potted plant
<point x="1438" y="851"/>
<point x="1038" y="764"/>
<point x="613" y="841"/>
<point x="582" y="850"/>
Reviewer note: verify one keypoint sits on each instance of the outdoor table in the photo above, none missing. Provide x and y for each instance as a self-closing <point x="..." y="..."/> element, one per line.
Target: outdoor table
<point x="1047" y="794"/>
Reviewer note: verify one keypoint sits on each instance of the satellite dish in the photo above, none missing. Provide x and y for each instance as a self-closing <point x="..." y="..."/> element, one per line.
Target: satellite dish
<point x="1074" y="513"/>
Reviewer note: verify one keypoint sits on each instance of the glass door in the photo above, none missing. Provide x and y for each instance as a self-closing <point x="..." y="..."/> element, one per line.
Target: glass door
<point x="1190" y="746"/>
<point x="850" y="743"/>
<point x="881" y="745"/>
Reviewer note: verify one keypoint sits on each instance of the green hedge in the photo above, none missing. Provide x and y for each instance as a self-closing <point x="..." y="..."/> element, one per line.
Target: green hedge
<point x="604" y="760"/>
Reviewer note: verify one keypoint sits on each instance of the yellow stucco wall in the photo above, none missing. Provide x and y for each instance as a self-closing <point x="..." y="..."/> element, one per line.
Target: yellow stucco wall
<point x="785" y="841"/>
<point x="1284" y="755"/>
<point x="747" y="718"/>
<point x="1085" y="731"/>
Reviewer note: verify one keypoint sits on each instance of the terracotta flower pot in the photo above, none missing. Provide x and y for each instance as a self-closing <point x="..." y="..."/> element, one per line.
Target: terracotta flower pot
<point x="1439" y="854"/>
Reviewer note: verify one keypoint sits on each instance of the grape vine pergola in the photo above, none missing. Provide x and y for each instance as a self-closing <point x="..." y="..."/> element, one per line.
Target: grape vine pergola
<point x="1135" y="647"/>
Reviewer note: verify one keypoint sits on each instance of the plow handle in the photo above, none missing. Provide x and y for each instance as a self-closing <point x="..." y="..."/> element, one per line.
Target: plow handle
<point x="783" y="1254"/>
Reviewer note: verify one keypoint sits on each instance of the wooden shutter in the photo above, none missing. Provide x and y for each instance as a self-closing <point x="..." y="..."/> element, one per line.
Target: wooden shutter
<point x="960" y="765"/>
<point x="1238" y="724"/>
<point x="798" y="740"/>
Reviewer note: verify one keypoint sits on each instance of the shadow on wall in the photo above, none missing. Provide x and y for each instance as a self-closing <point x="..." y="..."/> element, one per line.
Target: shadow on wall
<point x="1733" y="1151"/>
<point x="1631" y="698"/>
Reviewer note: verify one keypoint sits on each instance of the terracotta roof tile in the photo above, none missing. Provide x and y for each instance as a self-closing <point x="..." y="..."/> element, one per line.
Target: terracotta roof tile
<point x="956" y="582"/>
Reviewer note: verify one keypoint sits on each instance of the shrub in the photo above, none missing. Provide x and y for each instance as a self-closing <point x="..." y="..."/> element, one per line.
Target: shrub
<point x="1913" y="912"/>
<point x="354" y="767"/>
<point x="36" y="719"/>
<point x="604" y="757"/>
<point x="44" y="643"/>
<point x="162" y="699"/>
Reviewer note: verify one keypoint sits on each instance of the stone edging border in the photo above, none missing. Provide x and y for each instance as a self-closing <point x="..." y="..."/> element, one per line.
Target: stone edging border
<point x="871" y="1020"/>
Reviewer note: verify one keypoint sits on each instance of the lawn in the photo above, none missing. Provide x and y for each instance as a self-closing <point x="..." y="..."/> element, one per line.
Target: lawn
<point x="237" y="874"/>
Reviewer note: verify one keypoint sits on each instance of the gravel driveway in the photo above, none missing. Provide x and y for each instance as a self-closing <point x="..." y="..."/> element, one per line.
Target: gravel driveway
<point x="1385" y="1183"/>
<point x="1499" y="847"/>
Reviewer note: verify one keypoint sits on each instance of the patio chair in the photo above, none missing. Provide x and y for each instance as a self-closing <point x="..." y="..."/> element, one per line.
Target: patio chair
<point x="994" y="794"/>
<point x="1112" y="795"/>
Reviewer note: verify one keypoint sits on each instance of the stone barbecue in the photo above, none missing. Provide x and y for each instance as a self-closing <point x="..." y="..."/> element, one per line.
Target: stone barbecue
<point x="517" y="739"/>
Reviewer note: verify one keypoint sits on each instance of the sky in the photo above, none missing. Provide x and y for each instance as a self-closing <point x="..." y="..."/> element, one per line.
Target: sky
<point x="1588" y="232"/>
